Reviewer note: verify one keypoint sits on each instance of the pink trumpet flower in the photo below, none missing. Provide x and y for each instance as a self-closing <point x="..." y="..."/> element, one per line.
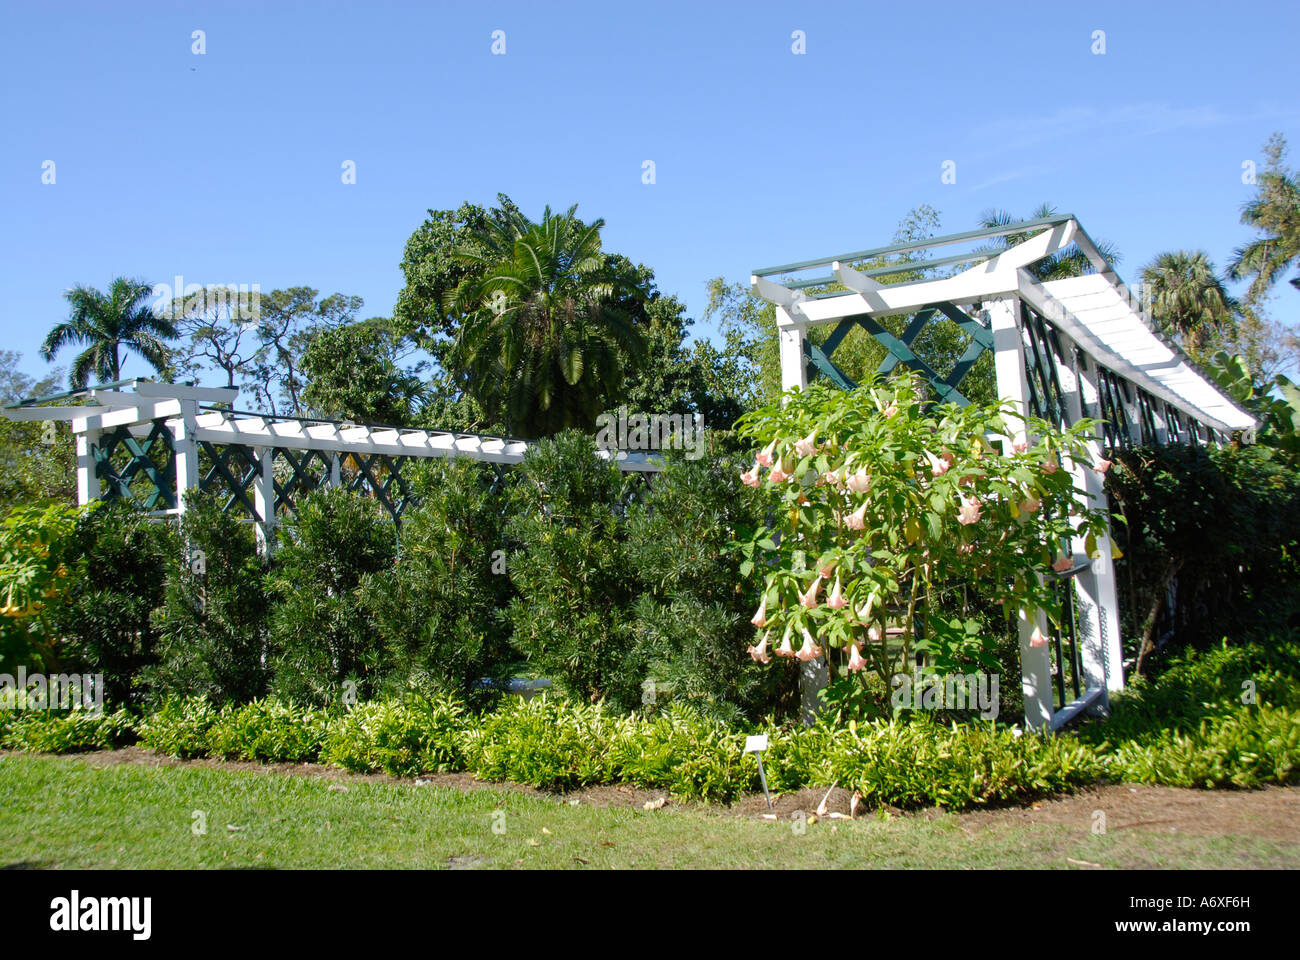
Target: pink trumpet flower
<point x="807" y="446"/>
<point x="759" y="653"/>
<point x="1020" y="446"/>
<point x="760" y="618"/>
<point x="785" y="650"/>
<point x="750" y="477"/>
<point x="833" y="478"/>
<point x="809" y="650"/>
<point x="1036" y="639"/>
<point x="826" y="569"/>
<point x="765" y="457"/>
<point x="937" y="467"/>
<point x="1062" y="564"/>
<point x="858" y="519"/>
<point x="891" y="410"/>
<point x="873" y="633"/>
<point x="1050" y="466"/>
<point x="1030" y="505"/>
<point x="777" y="475"/>
<point x="969" y="512"/>
<point x="809" y="599"/>
<point x="864" y="611"/>
<point x="856" y="662"/>
<point x="859" y="482"/>
<point x="1103" y="465"/>
<point x="836" y="600"/>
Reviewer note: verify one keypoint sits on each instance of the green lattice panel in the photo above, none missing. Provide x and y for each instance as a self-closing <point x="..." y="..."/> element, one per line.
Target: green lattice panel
<point x="143" y="472"/>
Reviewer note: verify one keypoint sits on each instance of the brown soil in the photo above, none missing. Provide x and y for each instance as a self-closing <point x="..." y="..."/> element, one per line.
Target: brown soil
<point x="1272" y="812"/>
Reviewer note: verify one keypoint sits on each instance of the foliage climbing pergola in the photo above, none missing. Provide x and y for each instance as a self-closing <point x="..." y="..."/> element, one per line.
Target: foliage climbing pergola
<point x="1064" y="350"/>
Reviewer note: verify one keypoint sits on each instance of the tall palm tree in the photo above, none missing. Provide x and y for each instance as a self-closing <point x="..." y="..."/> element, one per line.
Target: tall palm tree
<point x="1183" y="289"/>
<point x="1070" y="262"/>
<point x="109" y="324"/>
<point x="545" y="341"/>
<point x="1275" y="213"/>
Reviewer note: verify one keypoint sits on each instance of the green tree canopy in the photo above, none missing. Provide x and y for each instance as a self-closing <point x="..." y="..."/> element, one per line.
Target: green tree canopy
<point x="109" y="324"/>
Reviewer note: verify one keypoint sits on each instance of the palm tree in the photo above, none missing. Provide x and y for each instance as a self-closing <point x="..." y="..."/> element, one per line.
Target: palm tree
<point x="1274" y="212"/>
<point x="1183" y="289"/>
<point x="545" y="341"/>
<point x="1070" y="262"/>
<point x="109" y="324"/>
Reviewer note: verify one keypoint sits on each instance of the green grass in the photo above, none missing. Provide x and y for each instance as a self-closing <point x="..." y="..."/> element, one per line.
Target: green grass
<point x="66" y="812"/>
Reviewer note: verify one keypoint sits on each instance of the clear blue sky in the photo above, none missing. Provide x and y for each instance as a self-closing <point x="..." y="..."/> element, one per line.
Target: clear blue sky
<point x="226" y="167"/>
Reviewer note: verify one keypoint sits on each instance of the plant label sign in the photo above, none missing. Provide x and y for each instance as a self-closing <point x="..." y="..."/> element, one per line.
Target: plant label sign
<point x="756" y="744"/>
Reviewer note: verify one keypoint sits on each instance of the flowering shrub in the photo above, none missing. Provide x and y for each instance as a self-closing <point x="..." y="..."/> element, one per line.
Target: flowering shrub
<point x="887" y="507"/>
<point x="32" y="572"/>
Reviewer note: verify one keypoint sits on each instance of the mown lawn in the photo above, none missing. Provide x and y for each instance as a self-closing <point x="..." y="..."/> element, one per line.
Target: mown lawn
<point x="66" y="812"/>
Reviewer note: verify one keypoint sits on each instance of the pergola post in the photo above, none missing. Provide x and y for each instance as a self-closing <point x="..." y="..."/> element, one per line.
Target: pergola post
<point x="1098" y="620"/>
<point x="1009" y="363"/>
<point x="794" y="365"/>
<point x="814" y="675"/>
<point x="88" y="486"/>
<point x="264" y="500"/>
<point x="185" y="450"/>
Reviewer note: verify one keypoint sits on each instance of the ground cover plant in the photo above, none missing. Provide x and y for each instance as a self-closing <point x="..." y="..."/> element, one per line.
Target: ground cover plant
<point x="1188" y="728"/>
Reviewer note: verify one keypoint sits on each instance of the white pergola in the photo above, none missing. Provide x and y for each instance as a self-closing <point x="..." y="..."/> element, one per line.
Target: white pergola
<point x="164" y="428"/>
<point x="1079" y="347"/>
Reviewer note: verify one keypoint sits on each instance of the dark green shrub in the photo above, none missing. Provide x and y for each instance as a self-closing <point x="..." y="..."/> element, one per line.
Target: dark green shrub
<point x="322" y="639"/>
<point x="693" y="606"/>
<point x="1223" y="524"/>
<point x="570" y="568"/>
<point x="440" y="608"/>
<point x="104" y="617"/>
<point x="212" y="629"/>
<point x="402" y="738"/>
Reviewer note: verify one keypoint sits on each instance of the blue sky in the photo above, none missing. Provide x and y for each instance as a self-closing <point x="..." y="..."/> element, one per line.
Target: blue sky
<point x="226" y="167"/>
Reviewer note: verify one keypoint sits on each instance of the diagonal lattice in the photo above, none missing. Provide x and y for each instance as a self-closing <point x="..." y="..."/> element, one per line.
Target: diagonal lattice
<point x="296" y="474"/>
<point x="901" y="349"/>
<point x="232" y="470"/>
<point x="143" y="472"/>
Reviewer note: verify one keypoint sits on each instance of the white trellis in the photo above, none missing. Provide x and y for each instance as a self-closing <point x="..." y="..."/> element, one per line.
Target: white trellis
<point x="169" y="439"/>
<point x="1070" y="348"/>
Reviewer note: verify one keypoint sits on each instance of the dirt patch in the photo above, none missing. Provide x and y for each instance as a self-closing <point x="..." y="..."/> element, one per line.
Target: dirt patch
<point x="1272" y="813"/>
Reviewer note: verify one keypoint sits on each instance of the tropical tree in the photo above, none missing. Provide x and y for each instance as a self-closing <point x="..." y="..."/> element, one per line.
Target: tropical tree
<point x="1070" y="262"/>
<point x="1274" y="211"/>
<point x="1183" y="289"/>
<point x="109" y="324"/>
<point x="545" y="338"/>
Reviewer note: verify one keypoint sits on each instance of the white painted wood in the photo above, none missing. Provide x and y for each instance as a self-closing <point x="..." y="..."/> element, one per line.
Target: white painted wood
<point x="775" y="293"/>
<point x="186" y="451"/>
<point x="180" y="391"/>
<point x="28" y="414"/>
<point x="1009" y="363"/>
<point x="158" y="410"/>
<point x="88" y="486"/>
<point x="264" y="500"/>
<point x="853" y="279"/>
<point x="906" y="297"/>
<point x="794" y="369"/>
<point x="1098" y="621"/>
